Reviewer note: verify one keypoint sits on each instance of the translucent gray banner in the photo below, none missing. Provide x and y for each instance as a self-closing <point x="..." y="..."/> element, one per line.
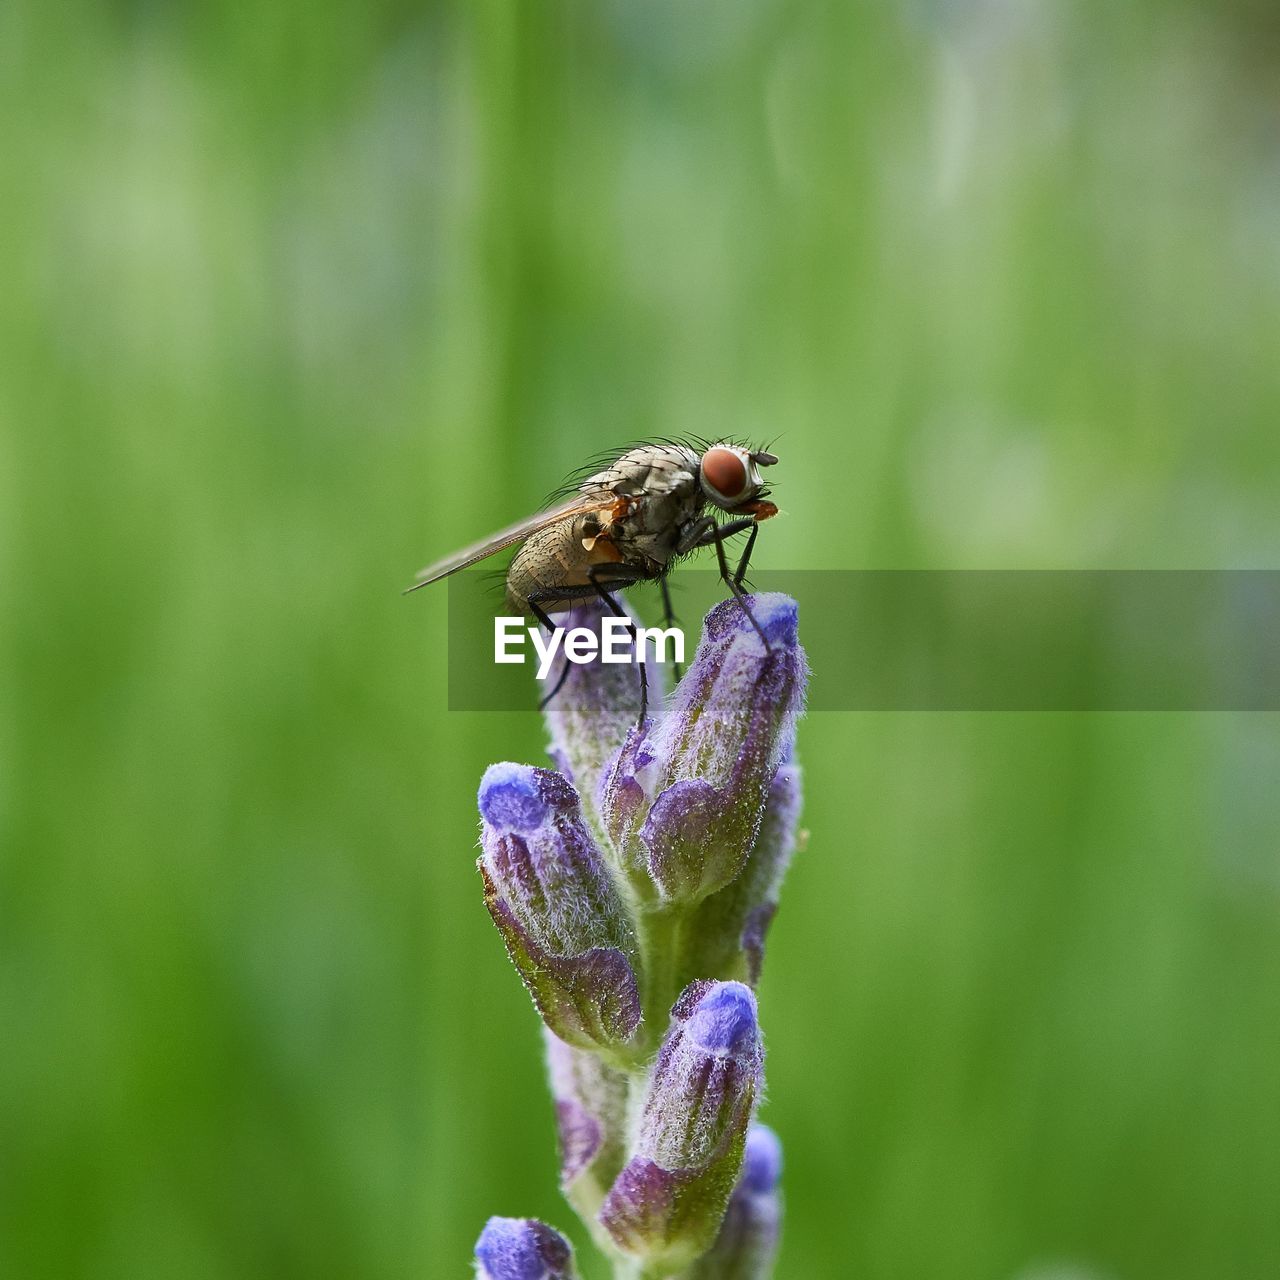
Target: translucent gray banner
<point x="964" y="640"/>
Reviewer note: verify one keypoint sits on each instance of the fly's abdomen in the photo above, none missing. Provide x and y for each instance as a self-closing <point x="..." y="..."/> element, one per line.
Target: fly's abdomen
<point x="557" y="557"/>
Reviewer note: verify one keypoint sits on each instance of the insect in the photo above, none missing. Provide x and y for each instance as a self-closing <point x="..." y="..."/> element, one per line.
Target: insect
<point x="629" y="522"/>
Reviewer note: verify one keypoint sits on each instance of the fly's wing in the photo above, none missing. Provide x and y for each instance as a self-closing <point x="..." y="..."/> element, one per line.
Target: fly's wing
<point x="518" y="532"/>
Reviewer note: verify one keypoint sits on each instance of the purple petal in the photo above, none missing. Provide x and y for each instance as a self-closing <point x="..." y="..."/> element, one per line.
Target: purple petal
<point x="580" y="1138"/>
<point x="754" y="931"/>
<point x="595" y="707"/>
<point x="761" y="1161"/>
<point x="731" y="723"/>
<point x="724" y="1020"/>
<point x="522" y="1249"/>
<point x="512" y="797"/>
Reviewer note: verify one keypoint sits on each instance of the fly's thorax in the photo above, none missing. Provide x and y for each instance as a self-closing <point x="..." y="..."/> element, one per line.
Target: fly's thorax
<point x="660" y="484"/>
<point x="651" y="470"/>
<point x="652" y="529"/>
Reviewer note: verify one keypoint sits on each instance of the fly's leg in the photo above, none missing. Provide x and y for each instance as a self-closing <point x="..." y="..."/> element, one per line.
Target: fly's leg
<point x="669" y="619"/>
<point x="741" y="571"/>
<point x="544" y="620"/>
<point x="541" y="615"/>
<point x="601" y="578"/>
<point x="559" y="684"/>
<point x="565" y="595"/>
<point x="715" y="536"/>
<point x="739" y="594"/>
<point x="694" y="534"/>
<point x="704" y="532"/>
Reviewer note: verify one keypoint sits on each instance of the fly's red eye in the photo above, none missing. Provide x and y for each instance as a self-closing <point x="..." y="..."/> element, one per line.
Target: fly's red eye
<point x="724" y="472"/>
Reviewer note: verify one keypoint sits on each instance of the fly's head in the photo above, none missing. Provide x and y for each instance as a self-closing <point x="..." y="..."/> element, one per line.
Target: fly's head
<point x="730" y="477"/>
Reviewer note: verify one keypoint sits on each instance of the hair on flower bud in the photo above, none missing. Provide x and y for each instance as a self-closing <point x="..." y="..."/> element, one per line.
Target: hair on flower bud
<point x="709" y="1066"/>
<point x="704" y="771"/>
<point x="747" y="1241"/>
<point x="777" y="615"/>
<point x="624" y="795"/>
<point x="522" y="1249"/>
<point x="737" y="697"/>
<point x="667" y="1203"/>
<point x="591" y="1121"/>
<point x="555" y="903"/>
<point x="728" y="932"/>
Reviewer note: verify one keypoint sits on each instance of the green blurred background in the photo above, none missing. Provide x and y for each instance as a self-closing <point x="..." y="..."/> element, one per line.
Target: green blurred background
<point x="298" y="296"/>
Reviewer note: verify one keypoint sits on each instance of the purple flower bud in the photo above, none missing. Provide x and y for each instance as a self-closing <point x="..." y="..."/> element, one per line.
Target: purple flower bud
<point x="591" y="1120"/>
<point x="522" y="1249"/>
<point x="762" y="1161"/>
<point x="728" y="932"/>
<point x="555" y="903"/>
<point x="748" y="1239"/>
<point x="595" y="707"/>
<point x="709" y="1066"/>
<point x="686" y="803"/>
<point x="667" y="1203"/>
<point x="625" y="794"/>
<point x="723" y="1020"/>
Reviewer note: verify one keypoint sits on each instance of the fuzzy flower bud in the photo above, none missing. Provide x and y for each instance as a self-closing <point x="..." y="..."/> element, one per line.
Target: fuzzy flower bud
<point x="591" y="1118"/>
<point x="557" y="907"/>
<point x="668" y="1202"/>
<point x="597" y="703"/>
<point x="522" y="1249"/>
<point x="748" y="1239"/>
<point x="683" y="803"/>
<point x="728" y="933"/>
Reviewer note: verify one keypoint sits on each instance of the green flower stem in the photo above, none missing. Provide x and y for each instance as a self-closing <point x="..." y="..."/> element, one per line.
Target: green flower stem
<point x="661" y="932"/>
<point x="639" y="1269"/>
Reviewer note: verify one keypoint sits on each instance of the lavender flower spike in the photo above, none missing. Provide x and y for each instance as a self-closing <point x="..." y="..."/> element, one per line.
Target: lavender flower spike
<point x="748" y="1239"/>
<point x="649" y="864"/>
<point x="522" y="1249"/>
<point x="558" y="910"/>
<point x="684" y="804"/>
<point x="668" y="1202"/>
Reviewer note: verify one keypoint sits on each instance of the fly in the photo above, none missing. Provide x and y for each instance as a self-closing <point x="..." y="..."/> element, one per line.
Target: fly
<point x="628" y="523"/>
